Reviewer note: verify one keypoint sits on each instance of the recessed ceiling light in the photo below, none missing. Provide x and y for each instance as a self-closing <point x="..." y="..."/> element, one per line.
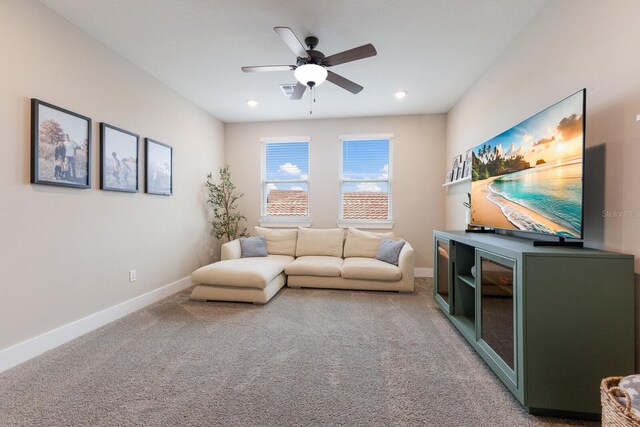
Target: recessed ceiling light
<point x="401" y="94"/>
<point x="252" y="103"/>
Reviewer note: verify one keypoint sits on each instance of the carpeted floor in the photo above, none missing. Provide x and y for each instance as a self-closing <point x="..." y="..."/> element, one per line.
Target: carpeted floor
<point x="309" y="357"/>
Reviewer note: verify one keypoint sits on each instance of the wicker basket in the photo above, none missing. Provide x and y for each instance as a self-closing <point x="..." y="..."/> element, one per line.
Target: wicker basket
<point x="614" y="414"/>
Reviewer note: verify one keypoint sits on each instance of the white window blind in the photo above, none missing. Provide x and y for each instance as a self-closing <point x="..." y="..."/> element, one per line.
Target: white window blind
<point x="285" y="183"/>
<point x="365" y="183"/>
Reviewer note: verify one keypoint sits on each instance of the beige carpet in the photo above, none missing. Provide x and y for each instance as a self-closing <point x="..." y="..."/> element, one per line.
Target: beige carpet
<point x="309" y="357"/>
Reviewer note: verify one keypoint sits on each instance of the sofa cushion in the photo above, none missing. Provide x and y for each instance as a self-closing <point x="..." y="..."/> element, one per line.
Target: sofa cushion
<point x="389" y="251"/>
<point x="252" y="247"/>
<point x="323" y="242"/>
<point x="242" y="272"/>
<point x="279" y="242"/>
<point x="326" y="266"/>
<point x="363" y="243"/>
<point x="369" y="269"/>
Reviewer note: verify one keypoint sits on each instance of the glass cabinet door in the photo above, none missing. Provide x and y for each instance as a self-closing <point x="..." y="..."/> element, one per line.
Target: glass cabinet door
<point x="442" y="273"/>
<point x="496" y="314"/>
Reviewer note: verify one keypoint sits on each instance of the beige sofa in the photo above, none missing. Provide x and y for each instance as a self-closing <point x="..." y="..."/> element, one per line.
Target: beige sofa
<point x="304" y="258"/>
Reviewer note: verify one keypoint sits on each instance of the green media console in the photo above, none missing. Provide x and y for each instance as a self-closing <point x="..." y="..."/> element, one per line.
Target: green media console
<point x="550" y="322"/>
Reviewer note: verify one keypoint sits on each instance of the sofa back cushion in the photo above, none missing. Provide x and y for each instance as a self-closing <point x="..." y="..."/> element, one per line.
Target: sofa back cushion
<point x="321" y="241"/>
<point x="279" y="242"/>
<point x="363" y="243"/>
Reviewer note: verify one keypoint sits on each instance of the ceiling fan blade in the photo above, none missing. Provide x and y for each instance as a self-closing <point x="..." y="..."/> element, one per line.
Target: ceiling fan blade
<point x="360" y="52"/>
<point x="292" y="41"/>
<point x="346" y="84"/>
<point x="261" y="68"/>
<point x="298" y="91"/>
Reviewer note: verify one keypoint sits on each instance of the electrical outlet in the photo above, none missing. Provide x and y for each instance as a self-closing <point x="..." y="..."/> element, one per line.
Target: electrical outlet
<point x="132" y="275"/>
<point x="638" y="118"/>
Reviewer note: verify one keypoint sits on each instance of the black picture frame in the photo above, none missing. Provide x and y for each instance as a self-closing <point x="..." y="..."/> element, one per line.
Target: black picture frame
<point x="158" y="165"/>
<point x="119" y="151"/>
<point x="55" y="133"/>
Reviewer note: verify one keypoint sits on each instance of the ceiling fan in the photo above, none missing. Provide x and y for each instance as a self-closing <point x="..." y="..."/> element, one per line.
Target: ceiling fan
<point x="311" y="65"/>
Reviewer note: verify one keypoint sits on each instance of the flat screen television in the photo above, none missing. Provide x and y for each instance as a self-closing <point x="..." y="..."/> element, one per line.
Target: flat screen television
<point x="530" y="177"/>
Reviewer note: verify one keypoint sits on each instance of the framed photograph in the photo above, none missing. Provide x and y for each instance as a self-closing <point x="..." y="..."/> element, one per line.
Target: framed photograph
<point x="158" y="164"/>
<point x="455" y="162"/>
<point x="449" y="177"/>
<point x="118" y="159"/>
<point x="467" y="163"/>
<point x="461" y="167"/>
<point x="60" y="146"/>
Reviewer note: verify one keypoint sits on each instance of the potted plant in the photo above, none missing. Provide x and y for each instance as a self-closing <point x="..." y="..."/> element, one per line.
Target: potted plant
<point x="225" y="224"/>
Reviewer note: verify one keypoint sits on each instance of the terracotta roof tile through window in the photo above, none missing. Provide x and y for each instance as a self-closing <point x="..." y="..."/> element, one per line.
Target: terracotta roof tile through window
<point x="365" y="205"/>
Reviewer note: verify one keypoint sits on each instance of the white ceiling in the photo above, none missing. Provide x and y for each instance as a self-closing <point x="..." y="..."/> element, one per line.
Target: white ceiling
<point x="433" y="49"/>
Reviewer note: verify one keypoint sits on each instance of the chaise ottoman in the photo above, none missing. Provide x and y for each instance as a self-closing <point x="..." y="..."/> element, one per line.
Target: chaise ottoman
<point x="254" y="280"/>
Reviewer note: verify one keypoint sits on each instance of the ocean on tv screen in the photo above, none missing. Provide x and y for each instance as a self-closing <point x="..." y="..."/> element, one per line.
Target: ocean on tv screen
<point x="529" y="177"/>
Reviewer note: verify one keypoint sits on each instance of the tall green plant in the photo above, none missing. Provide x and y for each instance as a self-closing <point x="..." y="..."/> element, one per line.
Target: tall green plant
<point x="226" y="220"/>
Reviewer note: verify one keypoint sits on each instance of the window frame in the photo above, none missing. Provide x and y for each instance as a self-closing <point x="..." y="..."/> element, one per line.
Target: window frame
<point x="366" y="223"/>
<point x="282" y="221"/>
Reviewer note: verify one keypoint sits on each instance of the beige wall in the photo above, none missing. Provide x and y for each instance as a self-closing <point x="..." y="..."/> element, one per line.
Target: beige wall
<point x="418" y="145"/>
<point x="65" y="253"/>
<point x="568" y="46"/>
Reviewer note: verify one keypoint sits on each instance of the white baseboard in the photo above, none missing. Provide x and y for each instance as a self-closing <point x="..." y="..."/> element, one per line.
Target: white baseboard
<point x="21" y="352"/>
<point x="423" y="272"/>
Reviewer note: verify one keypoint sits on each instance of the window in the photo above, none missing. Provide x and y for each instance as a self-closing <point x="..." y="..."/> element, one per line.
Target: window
<point x="365" y="182"/>
<point x="285" y="182"/>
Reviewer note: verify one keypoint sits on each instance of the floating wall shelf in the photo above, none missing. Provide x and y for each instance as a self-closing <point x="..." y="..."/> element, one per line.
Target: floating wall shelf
<point x="457" y="181"/>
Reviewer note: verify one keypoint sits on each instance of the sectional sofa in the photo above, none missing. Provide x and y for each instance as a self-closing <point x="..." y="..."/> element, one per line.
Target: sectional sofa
<point x="304" y="258"/>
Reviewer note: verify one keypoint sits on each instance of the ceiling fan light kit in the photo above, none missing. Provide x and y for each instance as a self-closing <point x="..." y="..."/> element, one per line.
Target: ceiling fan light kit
<point x="311" y="74"/>
<point x="311" y="65"/>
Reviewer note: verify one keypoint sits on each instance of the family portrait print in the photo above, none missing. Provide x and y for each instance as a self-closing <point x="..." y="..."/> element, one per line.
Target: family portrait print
<point x="60" y="146"/>
<point x="118" y="159"/>
<point x="159" y="168"/>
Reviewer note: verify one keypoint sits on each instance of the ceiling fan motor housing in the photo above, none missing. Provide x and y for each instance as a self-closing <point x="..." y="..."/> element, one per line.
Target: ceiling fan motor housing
<point x="316" y="58"/>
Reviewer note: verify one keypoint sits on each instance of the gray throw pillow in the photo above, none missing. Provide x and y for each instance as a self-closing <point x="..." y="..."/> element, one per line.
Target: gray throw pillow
<point x="389" y="251"/>
<point x="252" y="247"/>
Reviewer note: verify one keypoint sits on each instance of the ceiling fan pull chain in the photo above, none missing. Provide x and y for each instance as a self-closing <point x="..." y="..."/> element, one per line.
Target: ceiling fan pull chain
<point x="310" y="103"/>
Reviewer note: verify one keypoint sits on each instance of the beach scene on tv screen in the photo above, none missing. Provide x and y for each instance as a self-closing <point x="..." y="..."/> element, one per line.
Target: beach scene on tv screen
<point x="529" y="177"/>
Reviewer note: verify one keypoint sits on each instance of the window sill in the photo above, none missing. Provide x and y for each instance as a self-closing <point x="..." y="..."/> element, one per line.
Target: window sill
<point x="284" y="222"/>
<point x="380" y="225"/>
